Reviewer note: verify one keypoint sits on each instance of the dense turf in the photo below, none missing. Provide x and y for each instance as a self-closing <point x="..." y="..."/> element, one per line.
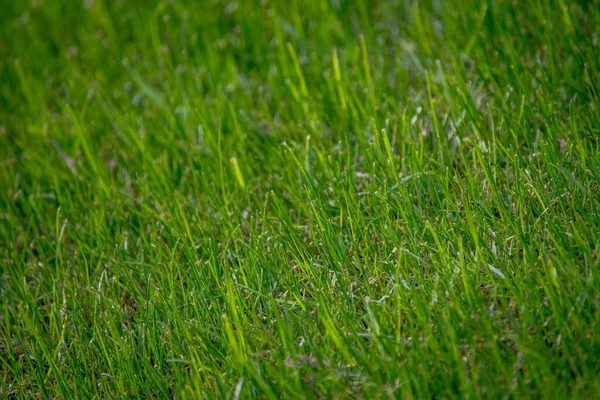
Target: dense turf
<point x="300" y="198"/>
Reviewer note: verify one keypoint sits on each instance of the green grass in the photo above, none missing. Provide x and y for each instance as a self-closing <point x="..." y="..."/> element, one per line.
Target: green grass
<point x="299" y="199"/>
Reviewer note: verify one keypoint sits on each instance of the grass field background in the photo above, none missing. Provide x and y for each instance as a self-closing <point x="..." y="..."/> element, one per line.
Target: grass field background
<point x="300" y="199"/>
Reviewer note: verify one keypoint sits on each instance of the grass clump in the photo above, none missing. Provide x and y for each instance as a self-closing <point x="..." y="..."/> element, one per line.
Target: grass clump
<point x="299" y="199"/>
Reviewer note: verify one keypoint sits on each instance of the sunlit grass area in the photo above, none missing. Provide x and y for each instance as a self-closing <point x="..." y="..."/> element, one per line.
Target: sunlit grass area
<point x="299" y="199"/>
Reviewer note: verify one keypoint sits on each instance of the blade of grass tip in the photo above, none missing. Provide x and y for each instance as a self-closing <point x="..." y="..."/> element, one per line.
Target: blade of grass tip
<point x="566" y="17"/>
<point x="298" y="68"/>
<point x="238" y="173"/>
<point x="337" y="75"/>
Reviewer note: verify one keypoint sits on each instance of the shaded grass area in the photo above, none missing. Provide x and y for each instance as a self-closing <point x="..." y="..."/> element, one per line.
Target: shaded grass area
<point x="328" y="198"/>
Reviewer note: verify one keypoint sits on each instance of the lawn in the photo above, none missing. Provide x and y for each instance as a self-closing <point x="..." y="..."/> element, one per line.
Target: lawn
<point x="300" y="199"/>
